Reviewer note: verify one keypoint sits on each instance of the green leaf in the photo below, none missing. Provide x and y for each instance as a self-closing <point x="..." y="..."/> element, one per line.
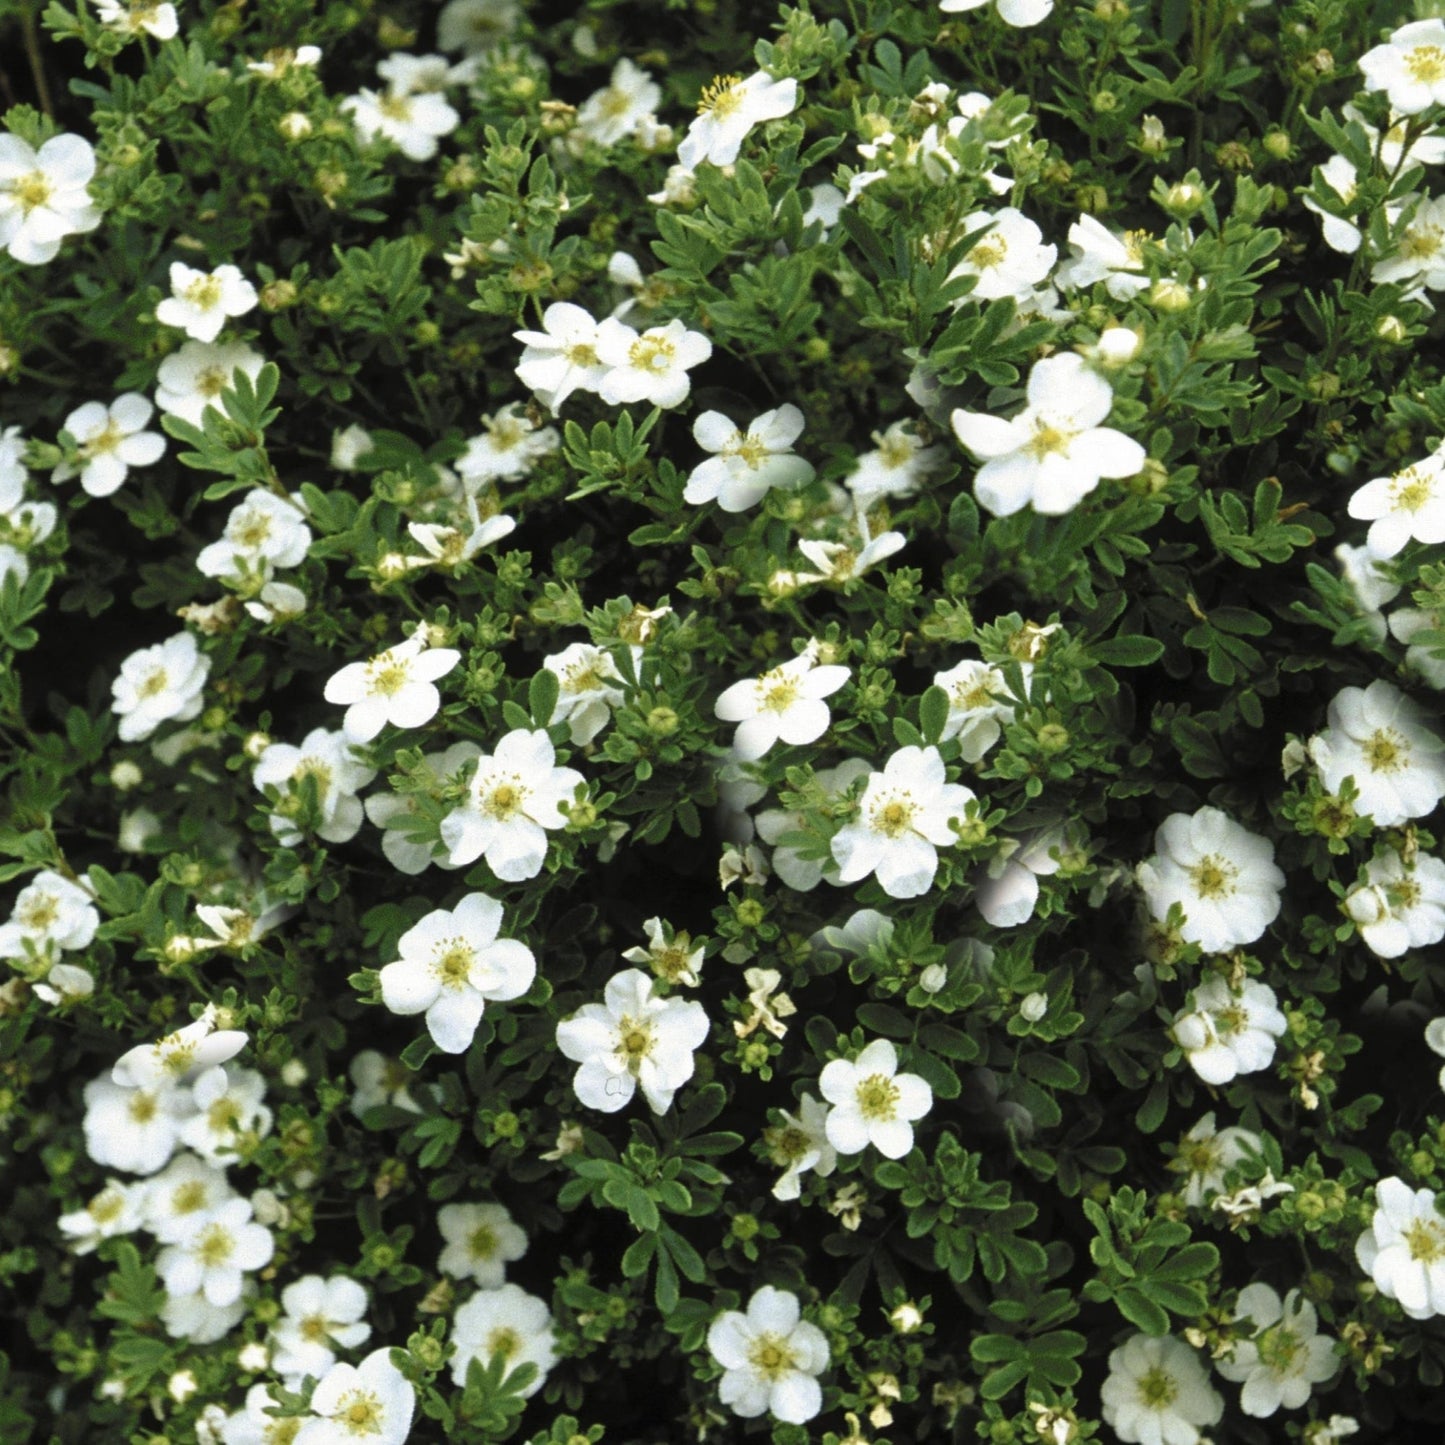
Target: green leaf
<point x="933" y="714"/>
<point x="542" y="694"/>
<point x="1128" y="651"/>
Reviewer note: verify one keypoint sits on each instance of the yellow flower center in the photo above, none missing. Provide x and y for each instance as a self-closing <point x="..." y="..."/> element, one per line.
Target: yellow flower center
<point x="213" y="1246"/>
<point x="36" y="915"/>
<point x="1279" y="1348"/>
<point x="387" y="677"/>
<point x="1213" y="876"/>
<point x="157" y="680"/>
<point x="614" y="103"/>
<point x="722" y="97"/>
<point x="1425" y="1240"/>
<point x="1404" y="894"/>
<point x="482" y="1242"/>
<point x="896" y="450"/>
<point x="770" y="1356"/>
<point x="453" y="963"/>
<point x="1047" y="439"/>
<point x="1386" y="751"/>
<point x="32" y="190"/>
<point x="878" y="1097"/>
<point x="1420" y="242"/>
<point x="579" y="677"/>
<point x="1134" y="247"/>
<point x="651" y="353"/>
<point x="580" y="353"/>
<point x="315" y="1328"/>
<point x="1426" y="64"/>
<point x="395" y="107"/>
<point x="314" y="768"/>
<point x="634" y="1041"/>
<point x="106" y="441"/>
<point x="359" y="1412"/>
<point x="189" y="1197"/>
<point x="212" y="381"/>
<point x="1230" y="1020"/>
<point x="142" y="1107"/>
<point x="894" y="817"/>
<point x="777" y="690"/>
<point x="252" y="530"/>
<point x="1157" y="1388"/>
<point x="204" y="293"/>
<point x="988" y="253"/>
<point x="506" y="799"/>
<point x="223" y="1117"/>
<point x="503" y="1341"/>
<point x="746" y="446"/>
<point x="106" y="1206"/>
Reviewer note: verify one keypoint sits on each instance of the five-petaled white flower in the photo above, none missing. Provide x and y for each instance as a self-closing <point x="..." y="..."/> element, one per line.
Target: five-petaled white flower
<point x="1226" y="1032"/>
<point x="397" y="686"/>
<point x="771" y="1358"/>
<point x="201" y="302"/>
<point x="1406" y="505"/>
<point x="319" y="1316"/>
<point x="513" y="797"/>
<point x="44" y="195"/>
<point x="1054" y="452"/>
<point x="327" y="758"/>
<point x="159" y="684"/>
<point x="481" y="1241"/>
<point x="413" y="123"/>
<point x="133" y="1129"/>
<point x="52" y="914"/>
<point x="801" y="1144"/>
<point x="1158" y="1393"/>
<point x="229" y="1114"/>
<point x="785" y="703"/>
<point x="136" y="17"/>
<point x="1008" y="259"/>
<point x="1206" y="1155"/>
<point x="894" y="468"/>
<point x="1101" y="255"/>
<point x="367" y="1404"/>
<point x="1018" y="13"/>
<point x="1409" y="67"/>
<point x="872" y="1102"/>
<point x="1283" y="1357"/>
<point x="727" y="110"/>
<point x="669" y="954"/>
<point x="1380" y="738"/>
<point x="1399" y="906"/>
<point x="508" y="1322"/>
<point x="190" y="381"/>
<point x="1403" y="1250"/>
<point x="650" y="366"/>
<point x="508" y="447"/>
<point x="589" y="686"/>
<point x="903" y="820"/>
<point x="632" y="1039"/>
<point x="110" y="440"/>
<point x="1221" y="875"/>
<point x="452" y="963"/>
<point x="979" y="703"/>
<point x="213" y="1258"/>
<point x="562" y="357"/>
<point x="620" y="107"/>
<point x="747" y="464"/>
<point x="180" y="1056"/>
<point x="117" y="1209"/>
<point x="263" y="532"/>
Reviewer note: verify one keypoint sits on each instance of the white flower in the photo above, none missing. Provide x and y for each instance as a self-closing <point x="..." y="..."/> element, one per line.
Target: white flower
<point x="481" y="1240"/>
<point x="110" y="441"/>
<point x="1403" y="1250"/>
<point x="801" y="1144"/>
<point x="1405" y="625"/>
<point x="134" y="17"/>
<point x="451" y="964"/>
<point x="201" y="302"/>
<point x="514" y="796"/>
<point x="1284" y="1356"/>
<point x="1340" y="233"/>
<point x="1100" y="255"/>
<point x="193" y="1317"/>
<point x="379" y="1080"/>
<point x="183" y="1196"/>
<point x="1399" y="907"/>
<point x="411" y="123"/>
<point x="784" y="704"/>
<point x="508" y="1322"/>
<point x="253" y="1425"/>
<point x="349" y="446"/>
<point x="823" y="204"/>
<point x="1409" y="67"/>
<point x="1380" y="738"/>
<point x="589" y="687"/>
<point x="727" y="110"/>
<point x="263" y="532"/>
<point x="418" y="74"/>
<point x="979" y="703"/>
<point x="1008" y="259"/>
<point x="44" y="195"/>
<point x="1408" y="505"/>
<point x="1158" y="1393"/>
<point x="397" y="686"/>
<point x="669" y="954"/>
<point x="117" y="1209"/>
<point x="872" y="1102"/>
<point x="1418" y="257"/>
<point x="841" y="562"/>
<point x="1008" y="891"/>
<point x="159" y="684"/>
<point x="319" y="1317"/>
<point x="1207" y="1154"/>
<point x="396" y="813"/>
<point x="229" y="1109"/>
<point x="1018" y="13"/>
<point x="1435" y="1042"/>
<point x="679" y="188"/>
<point x="329" y="759"/>
<point x="746" y="465"/>
<point x="632" y="1038"/>
<point x="508" y="448"/>
<point x="132" y="1129"/>
<point x="651" y="366"/>
<point x="1334" y="1430"/>
<point x="1225" y="1033"/>
<point x="895" y="468"/>
<point x="1222" y="876"/>
<point x="1246" y="1203"/>
<point x="476" y="26"/>
<point x="771" y="1358"/>
<point x="212" y="1259"/>
<point x="64" y="985"/>
<point x="367" y="1404"/>
<point x="52" y="914"/>
<point x="562" y="357"/>
<point x="619" y="108"/>
<point x="1372" y="580"/>
<point x="804" y="874"/>
<point x="192" y="379"/>
<point x="277" y="602"/>
<point x="1054" y="452"/>
<point x="903" y="819"/>
<point x="179" y="1057"/>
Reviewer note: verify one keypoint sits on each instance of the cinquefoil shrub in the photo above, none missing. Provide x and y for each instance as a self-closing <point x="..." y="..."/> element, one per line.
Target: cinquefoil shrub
<point x="722" y="723"/>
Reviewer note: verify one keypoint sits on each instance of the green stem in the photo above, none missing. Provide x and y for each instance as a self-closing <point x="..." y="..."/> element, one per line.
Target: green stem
<point x="31" y="37"/>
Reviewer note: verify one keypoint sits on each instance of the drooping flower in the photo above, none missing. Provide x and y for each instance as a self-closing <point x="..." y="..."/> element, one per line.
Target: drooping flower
<point x="632" y="1039"/>
<point x="201" y="302"/>
<point x="1054" y="452"/>
<point x="1409" y="67"/>
<point x="1158" y="1393"/>
<point x="508" y="1322"/>
<point x="650" y="366"/>
<point x="372" y="1402"/>
<point x="747" y="463"/>
<point x="1380" y="738"/>
<point x="727" y="110"/>
<point x="110" y="441"/>
<point x="44" y="195"/>
<point x="1403" y="1250"/>
<point x="1340" y="232"/>
<point x="784" y="704"/>
<point x="872" y="1102"/>
<point x="1227" y="1032"/>
<point x="318" y="1317"/>
<point x="903" y="820"/>
<point x="1283" y="1357"/>
<point x="163" y="683"/>
<point x="397" y="686"/>
<point x="513" y="798"/>
<point x="452" y="963"/>
<point x="771" y="1358"/>
<point x="1221" y="875"/>
<point x="481" y="1241"/>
